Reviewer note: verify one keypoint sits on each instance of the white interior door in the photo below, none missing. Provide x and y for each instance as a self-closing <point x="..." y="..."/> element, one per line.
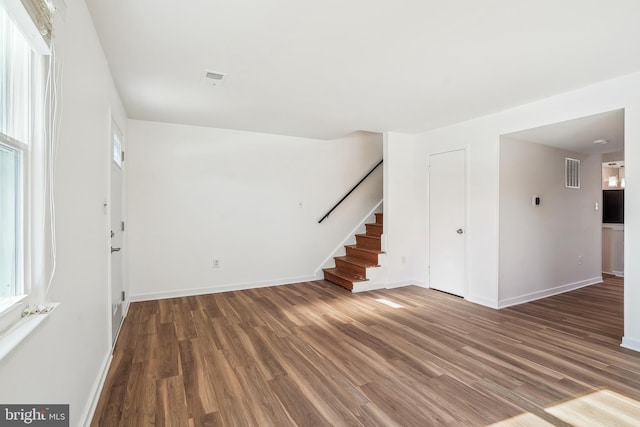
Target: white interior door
<point x="117" y="285"/>
<point x="447" y="222"/>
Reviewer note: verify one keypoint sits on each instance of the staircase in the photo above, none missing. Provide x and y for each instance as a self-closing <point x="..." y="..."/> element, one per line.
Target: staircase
<point x="351" y="269"/>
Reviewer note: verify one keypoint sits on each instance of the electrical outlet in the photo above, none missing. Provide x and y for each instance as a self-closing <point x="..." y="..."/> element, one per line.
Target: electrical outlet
<point x="579" y="259"/>
<point x="216" y="263"/>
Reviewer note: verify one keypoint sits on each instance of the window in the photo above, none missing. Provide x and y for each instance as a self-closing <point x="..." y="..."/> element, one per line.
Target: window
<point x="10" y="227"/>
<point x="117" y="146"/>
<point x="21" y="103"/>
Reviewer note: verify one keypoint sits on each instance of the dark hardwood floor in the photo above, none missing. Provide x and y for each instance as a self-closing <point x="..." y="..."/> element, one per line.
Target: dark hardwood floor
<point x="313" y="354"/>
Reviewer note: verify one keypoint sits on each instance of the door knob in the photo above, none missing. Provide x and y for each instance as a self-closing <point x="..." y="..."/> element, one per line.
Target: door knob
<point x="459" y="231"/>
<point x="115" y="249"/>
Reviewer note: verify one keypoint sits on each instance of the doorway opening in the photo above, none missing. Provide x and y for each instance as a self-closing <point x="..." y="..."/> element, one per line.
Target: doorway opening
<point x="551" y="234"/>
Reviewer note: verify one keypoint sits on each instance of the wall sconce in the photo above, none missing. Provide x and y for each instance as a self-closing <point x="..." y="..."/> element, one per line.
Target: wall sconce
<point x="613" y="181"/>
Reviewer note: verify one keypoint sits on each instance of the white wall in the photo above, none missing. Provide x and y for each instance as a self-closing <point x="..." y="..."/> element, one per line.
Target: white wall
<point x="481" y="148"/>
<point x="198" y="193"/>
<point x="632" y="226"/>
<point x="404" y="233"/>
<point x="63" y="359"/>
<point x="482" y="137"/>
<point x="553" y="247"/>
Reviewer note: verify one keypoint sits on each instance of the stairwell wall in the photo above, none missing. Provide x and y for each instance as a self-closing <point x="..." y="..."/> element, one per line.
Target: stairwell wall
<point x="197" y="194"/>
<point x="405" y="233"/>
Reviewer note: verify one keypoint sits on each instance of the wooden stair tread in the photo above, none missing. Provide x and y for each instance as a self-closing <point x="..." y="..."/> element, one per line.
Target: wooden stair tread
<point x="373" y="251"/>
<point x="357" y="261"/>
<point x="369" y="236"/>
<point x="346" y="276"/>
<point x="373" y="229"/>
<point x="352" y="268"/>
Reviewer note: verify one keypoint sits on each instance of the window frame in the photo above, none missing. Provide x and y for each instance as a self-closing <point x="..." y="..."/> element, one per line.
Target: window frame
<point x="23" y="218"/>
<point x="31" y="169"/>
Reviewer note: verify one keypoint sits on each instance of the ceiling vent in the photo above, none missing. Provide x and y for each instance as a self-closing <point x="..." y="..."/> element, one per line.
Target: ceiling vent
<point x="213" y="78"/>
<point x="571" y="173"/>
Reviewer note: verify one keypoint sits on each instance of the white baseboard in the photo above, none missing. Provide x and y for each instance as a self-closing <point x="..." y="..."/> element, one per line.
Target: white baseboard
<point x="630" y="343"/>
<point x="374" y="286"/>
<point x="97" y="390"/>
<point x="548" y="292"/>
<point x="615" y="273"/>
<point x="366" y="286"/>
<point x="403" y="283"/>
<point x="482" y="301"/>
<point x="218" y="289"/>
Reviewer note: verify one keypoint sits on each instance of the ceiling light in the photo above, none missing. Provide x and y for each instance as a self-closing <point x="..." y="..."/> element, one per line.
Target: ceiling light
<point x="601" y="141"/>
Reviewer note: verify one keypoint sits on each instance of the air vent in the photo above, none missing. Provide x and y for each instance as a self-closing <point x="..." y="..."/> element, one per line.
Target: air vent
<point x="213" y="78"/>
<point x="571" y="173"/>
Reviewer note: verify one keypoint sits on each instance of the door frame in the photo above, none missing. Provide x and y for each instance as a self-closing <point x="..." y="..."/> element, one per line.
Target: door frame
<point x="108" y="205"/>
<point x="465" y="150"/>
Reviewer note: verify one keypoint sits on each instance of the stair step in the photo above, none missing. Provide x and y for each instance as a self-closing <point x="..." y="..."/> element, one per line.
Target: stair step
<point x="353" y="265"/>
<point x="368" y="242"/>
<point x="370" y="255"/>
<point x="378" y="218"/>
<point x="341" y="278"/>
<point x="374" y="229"/>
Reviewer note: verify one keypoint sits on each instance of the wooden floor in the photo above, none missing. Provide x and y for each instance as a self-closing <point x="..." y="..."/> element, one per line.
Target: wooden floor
<point x="313" y="354"/>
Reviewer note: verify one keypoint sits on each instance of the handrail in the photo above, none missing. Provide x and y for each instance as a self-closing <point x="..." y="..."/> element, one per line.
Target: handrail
<point x="350" y="191"/>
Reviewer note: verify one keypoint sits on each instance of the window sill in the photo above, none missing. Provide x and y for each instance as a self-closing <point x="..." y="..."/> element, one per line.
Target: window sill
<point x="12" y="337"/>
<point x="9" y="304"/>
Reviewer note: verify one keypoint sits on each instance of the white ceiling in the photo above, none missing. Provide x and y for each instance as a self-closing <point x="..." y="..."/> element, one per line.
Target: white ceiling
<point x="327" y="68"/>
<point x="578" y="135"/>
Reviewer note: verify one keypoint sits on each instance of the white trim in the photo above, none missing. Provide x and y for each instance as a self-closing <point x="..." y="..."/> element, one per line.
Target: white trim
<point x="26" y="25"/>
<point x="124" y="316"/>
<point x="615" y="273"/>
<point x="21" y="330"/>
<point x="318" y="272"/>
<point x="403" y="283"/>
<point x="548" y="292"/>
<point x="466" y="197"/>
<point x="630" y="343"/>
<point x="98" y="384"/>
<point x="219" y="289"/>
<point x="486" y="302"/>
<point x="367" y="286"/>
<point x="375" y="286"/>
